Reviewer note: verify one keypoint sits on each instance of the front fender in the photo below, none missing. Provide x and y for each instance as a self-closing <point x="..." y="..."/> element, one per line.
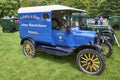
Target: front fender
<point x="107" y="31"/>
<point x="92" y="46"/>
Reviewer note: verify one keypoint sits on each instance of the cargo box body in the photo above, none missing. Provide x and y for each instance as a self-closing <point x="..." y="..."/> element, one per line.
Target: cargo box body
<point x="34" y="24"/>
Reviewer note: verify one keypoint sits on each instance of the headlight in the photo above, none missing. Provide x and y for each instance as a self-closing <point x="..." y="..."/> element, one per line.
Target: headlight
<point x="109" y="27"/>
<point x="97" y="38"/>
<point x="111" y="30"/>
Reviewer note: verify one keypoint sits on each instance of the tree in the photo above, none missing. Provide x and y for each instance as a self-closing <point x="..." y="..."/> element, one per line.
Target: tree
<point x="38" y="2"/>
<point x="25" y="3"/>
<point x="8" y="7"/>
<point x="93" y="7"/>
<point x="111" y="8"/>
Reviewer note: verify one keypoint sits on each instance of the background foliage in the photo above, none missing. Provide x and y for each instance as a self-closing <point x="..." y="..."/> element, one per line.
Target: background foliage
<point x="94" y="7"/>
<point x="8" y="7"/>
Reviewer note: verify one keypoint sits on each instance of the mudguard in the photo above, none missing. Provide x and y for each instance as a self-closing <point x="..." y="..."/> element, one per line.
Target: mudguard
<point x="108" y="31"/>
<point x="92" y="46"/>
<point x="22" y="41"/>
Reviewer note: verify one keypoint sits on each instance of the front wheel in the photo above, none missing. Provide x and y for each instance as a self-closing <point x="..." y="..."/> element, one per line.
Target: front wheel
<point x="29" y="49"/>
<point x="90" y="61"/>
<point x="109" y="37"/>
<point x="107" y="49"/>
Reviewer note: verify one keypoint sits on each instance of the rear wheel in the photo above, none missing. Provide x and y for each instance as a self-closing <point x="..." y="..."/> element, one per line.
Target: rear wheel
<point x="90" y="61"/>
<point x="107" y="49"/>
<point x="29" y="49"/>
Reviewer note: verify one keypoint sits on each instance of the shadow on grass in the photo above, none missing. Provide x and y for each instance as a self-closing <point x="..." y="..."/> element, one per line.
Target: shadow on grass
<point x="71" y="59"/>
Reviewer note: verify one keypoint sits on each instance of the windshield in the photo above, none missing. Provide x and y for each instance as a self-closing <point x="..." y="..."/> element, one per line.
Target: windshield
<point x="78" y="19"/>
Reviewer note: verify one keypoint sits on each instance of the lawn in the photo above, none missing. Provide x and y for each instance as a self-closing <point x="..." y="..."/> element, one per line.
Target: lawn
<point x="15" y="66"/>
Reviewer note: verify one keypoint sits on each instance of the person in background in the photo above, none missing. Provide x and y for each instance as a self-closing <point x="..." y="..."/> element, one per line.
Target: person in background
<point x="96" y="20"/>
<point x="105" y="22"/>
<point x="101" y="20"/>
<point x="7" y="17"/>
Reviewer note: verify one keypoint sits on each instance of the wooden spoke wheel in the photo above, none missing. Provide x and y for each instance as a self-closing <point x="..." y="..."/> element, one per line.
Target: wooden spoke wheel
<point x="107" y="49"/>
<point x="90" y="61"/>
<point x="29" y="49"/>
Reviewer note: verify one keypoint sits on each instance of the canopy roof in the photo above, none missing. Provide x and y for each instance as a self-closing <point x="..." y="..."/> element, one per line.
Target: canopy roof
<point x="47" y="9"/>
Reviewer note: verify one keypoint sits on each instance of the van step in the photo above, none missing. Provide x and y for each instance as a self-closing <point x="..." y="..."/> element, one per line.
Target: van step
<point x="60" y="51"/>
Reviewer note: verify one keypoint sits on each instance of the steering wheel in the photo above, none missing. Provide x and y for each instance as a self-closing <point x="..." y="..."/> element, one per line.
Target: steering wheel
<point x="63" y="24"/>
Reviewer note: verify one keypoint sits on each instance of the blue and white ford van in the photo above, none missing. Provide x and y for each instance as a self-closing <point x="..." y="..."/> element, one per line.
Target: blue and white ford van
<point x="51" y="29"/>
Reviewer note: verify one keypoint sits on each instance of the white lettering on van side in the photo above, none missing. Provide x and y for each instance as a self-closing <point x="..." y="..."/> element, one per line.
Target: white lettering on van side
<point x="25" y="25"/>
<point x="34" y="25"/>
<point x="37" y="25"/>
<point x="30" y="16"/>
<point x="33" y="32"/>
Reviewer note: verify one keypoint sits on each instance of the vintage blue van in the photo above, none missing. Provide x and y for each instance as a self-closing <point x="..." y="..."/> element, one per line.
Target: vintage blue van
<point x="51" y="29"/>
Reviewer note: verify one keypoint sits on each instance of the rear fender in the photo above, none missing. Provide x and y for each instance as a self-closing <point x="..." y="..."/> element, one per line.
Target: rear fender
<point x="22" y="41"/>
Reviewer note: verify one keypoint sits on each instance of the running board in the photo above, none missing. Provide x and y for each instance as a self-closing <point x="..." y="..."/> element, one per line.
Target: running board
<point x="60" y="51"/>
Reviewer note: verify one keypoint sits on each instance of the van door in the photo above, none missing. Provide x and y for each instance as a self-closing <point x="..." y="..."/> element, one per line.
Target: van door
<point x="60" y="37"/>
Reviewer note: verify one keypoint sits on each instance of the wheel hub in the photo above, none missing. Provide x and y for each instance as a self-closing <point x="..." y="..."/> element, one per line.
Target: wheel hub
<point x="89" y="62"/>
<point x="28" y="49"/>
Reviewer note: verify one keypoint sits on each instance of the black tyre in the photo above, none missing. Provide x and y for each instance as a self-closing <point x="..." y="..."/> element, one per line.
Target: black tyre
<point x="90" y="61"/>
<point x="116" y="26"/>
<point x="109" y="37"/>
<point x="107" y="49"/>
<point x="29" y="49"/>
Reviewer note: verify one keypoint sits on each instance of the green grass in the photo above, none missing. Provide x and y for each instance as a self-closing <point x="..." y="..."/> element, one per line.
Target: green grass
<point x="15" y="66"/>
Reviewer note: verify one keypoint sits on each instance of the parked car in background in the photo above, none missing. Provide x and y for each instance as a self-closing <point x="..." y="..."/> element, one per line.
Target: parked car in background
<point x="114" y="21"/>
<point x="9" y="25"/>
